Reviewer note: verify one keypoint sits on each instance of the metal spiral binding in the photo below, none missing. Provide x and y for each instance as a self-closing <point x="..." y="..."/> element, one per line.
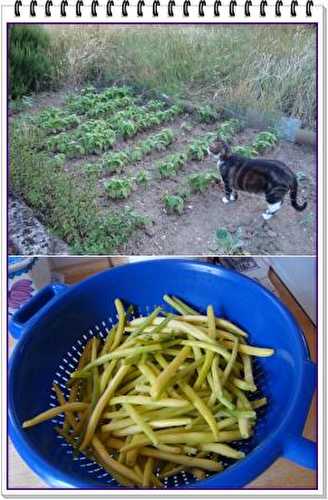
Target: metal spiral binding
<point x="186" y="5"/>
<point x="170" y="6"/>
<point x="263" y="5"/>
<point x="78" y="6"/>
<point x="33" y="4"/>
<point x="17" y="7"/>
<point x="248" y="4"/>
<point x="232" y="6"/>
<point x="94" y="6"/>
<point x="48" y="8"/>
<point x="125" y="5"/>
<point x="201" y="6"/>
<point x="109" y="6"/>
<point x="217" y="4"/>
<point x="63" y="6"/>
<point x="278" y="6"/>
<point x="293" y="6"/>
<point x="156" y="4"/>
<point x="140" y="6"/>
<point x="309" y="5"/>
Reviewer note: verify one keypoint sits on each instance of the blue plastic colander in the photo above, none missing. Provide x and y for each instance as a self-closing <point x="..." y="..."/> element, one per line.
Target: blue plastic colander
<point x="55" y="325"/>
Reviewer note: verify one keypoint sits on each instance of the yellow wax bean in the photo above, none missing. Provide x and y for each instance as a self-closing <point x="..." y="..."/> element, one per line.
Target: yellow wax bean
<point x="53" y="412"/>
<point x="101" y="404"/>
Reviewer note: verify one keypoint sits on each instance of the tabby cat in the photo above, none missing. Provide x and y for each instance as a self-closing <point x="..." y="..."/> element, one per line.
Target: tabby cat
<point x="270" y="177"/>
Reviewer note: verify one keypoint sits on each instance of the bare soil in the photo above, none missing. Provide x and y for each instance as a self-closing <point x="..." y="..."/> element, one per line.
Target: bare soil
<point x="193" y="233"/>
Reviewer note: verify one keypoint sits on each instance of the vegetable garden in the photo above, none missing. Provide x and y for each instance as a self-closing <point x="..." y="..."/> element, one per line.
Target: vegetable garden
<point x="111" y="171"/>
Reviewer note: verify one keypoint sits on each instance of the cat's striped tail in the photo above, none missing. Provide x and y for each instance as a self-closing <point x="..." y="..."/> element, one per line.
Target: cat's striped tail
<point x="293" y="197"/>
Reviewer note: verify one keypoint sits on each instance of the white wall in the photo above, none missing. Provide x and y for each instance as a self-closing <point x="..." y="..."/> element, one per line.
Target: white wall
<point x="299" y="276"/>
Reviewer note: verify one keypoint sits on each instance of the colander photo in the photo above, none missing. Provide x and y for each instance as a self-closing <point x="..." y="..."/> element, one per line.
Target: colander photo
<point x="55" y="325"/>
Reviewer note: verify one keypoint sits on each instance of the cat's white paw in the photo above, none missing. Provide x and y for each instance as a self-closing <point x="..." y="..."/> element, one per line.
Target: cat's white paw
<point x="232" y="197"/>
<point x="266" y="216"/>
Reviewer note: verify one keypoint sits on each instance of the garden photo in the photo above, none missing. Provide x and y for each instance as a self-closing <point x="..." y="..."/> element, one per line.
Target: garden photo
<point x="162" y="140"/>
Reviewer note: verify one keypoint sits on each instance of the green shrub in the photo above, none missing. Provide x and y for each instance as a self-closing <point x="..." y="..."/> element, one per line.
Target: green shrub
<point x="30" y="67"/>
<point x="64" y="205"/>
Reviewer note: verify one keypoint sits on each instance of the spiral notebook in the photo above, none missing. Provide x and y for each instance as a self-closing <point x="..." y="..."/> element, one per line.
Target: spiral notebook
<point x="241" y="11"/>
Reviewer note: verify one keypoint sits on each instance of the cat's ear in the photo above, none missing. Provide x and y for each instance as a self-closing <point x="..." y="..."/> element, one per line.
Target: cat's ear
<point x="226" y="148"/>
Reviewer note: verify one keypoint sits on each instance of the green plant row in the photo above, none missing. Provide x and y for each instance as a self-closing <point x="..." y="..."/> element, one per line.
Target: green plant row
<point x="200" y="182"/>
<point x="55" y="120"/>
<point x="89" y="98"/>
<point x="197" y="150"/>
<point x="173" y="163"/>
<point x="116" y="161"/>
<point x="95" y="136"/>
<point x="262" y="142"/>
<point x="94" y="104"/>
<point x="128" y="123"/>
<point x="197" y="183"/>
<point x="118" y="188"/>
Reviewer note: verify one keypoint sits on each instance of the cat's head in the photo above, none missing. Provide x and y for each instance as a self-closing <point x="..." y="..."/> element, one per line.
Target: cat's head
<point x="219" y="149"/>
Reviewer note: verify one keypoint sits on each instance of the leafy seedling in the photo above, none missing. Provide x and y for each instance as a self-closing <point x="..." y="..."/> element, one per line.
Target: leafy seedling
<point x="119" y="188"/>
<point x="171" y="164"/>
<point x="92" y="170"/>
<point x="174" y="204"/>
<point x="264" y="141"/>
<point x="206" y="114"/>
<point x="115" y="161"/>
<point x="143" y="178"/>
<point x="197" y="150"/>
<point x="248" y="151"/>
<point x="227" y="242"/>
<point x="228" y="129"/>
<point x="199" y="182"/>
<point x="136" y="154"/>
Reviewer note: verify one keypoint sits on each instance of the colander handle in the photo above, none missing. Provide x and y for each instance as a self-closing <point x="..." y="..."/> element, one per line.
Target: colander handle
<point x="295" y="447"/>
<point x="30" y="311"/>
<point x="301" y="451"/>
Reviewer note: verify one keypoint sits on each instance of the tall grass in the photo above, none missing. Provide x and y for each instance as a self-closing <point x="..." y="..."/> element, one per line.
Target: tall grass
<point x="269" y="67"/>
